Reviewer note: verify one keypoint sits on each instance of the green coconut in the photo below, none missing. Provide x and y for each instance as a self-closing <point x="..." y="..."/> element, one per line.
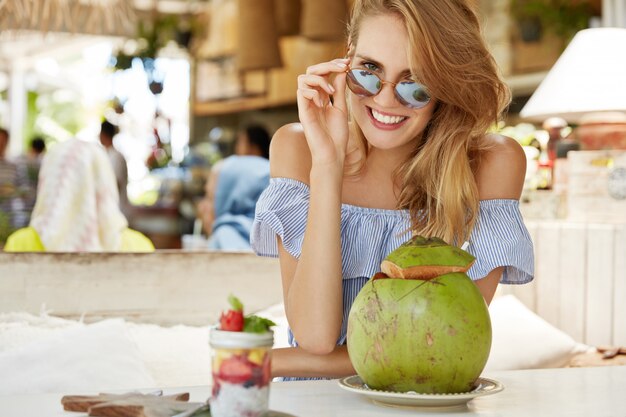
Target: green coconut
<point x="425" y="258"/>
<point x="430" y="335"/>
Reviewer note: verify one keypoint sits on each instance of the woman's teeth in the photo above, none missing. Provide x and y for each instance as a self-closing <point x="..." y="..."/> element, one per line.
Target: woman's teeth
<point x="386" y="119"/>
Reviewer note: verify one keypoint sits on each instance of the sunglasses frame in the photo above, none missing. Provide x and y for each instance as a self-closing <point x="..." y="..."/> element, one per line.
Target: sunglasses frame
<point x="350" y="78"/>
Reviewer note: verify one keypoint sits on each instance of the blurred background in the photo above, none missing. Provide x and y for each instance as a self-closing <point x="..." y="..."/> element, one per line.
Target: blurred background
<point x="179" y="81"/>
<point x="181" y="78"/>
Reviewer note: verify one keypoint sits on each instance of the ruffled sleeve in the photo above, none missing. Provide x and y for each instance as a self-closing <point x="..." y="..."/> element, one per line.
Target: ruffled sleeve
<point x="500" y="238"/>
<point x="367" y="234"/>
<point x="282" y="211"/>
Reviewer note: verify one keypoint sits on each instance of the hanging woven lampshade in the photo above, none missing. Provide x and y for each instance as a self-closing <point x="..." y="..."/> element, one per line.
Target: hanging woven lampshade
<point x="96" y="17"/>
<point x="288" y="17"/>
<point x="258" y="38"/>
<point x="222" y="37"/>
<point x="324" y="19"/>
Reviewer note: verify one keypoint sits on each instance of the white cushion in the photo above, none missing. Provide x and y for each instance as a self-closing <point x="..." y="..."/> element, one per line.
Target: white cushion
<point x="276" y="313"/>
<point x="175" y="356"/>
<point x="523" y="340"/>
<point x="47" y="354"/>
<point x="96" y="357"/>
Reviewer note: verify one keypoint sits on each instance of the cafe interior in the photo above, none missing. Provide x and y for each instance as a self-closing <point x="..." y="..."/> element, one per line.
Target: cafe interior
<point x="182" y="84"/>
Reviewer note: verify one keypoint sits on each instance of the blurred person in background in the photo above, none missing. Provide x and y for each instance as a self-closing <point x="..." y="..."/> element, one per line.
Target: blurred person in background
<point x="253" y="140"/>
<point x="37" y="147"/>
<point x="107" y="132"/>
<point x="8" y="172"/>
<point x="554" y="126"/>
<point x="77" y="207"/>
<point x="232" y="190"/>
<point x="28" y="167"/>
<point x="8" y="188"/>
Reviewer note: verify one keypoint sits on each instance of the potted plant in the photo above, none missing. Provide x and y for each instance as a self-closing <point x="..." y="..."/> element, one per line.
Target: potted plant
<point x="561" y="17"/>
<point x="152" y="35"/>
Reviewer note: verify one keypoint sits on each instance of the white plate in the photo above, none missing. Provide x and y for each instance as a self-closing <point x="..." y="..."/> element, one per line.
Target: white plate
<point x="398" y="399"/>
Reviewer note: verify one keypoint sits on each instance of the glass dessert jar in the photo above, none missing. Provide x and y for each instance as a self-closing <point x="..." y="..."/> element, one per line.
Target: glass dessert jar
<point x="241" y="368"/>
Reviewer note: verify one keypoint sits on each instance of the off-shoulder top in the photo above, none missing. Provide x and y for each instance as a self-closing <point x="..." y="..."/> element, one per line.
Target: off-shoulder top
<point x="368" y="235"/>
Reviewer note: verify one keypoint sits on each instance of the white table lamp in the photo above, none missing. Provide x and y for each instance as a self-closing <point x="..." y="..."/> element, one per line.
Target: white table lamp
<point x="590" y="76"/>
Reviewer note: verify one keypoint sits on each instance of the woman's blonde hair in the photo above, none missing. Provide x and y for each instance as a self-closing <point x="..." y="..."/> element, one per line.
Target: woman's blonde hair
<point x="448" y="54"/>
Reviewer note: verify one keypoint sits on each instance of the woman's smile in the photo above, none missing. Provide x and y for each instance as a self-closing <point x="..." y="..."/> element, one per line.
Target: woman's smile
<point x="384" y="120"/>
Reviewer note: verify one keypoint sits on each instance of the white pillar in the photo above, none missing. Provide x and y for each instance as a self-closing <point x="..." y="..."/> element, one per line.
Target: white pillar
<point x="17" y="111"/>
<point x="614" y="13"/>
<point x="620" y="13"/>
<point x="607" y="13"/>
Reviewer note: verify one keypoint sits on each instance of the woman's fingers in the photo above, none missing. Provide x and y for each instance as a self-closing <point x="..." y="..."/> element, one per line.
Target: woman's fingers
<point x="316" y="80"/>
<point x="315" y="88"/>
<point x="307" y="81"/>
<point x="339" y="98"/>
<point x="312" y="95"/>
<point x="325" y="68"/>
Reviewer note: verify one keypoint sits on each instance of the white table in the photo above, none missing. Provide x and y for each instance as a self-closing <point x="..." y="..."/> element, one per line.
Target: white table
<point x="584" y="392"/>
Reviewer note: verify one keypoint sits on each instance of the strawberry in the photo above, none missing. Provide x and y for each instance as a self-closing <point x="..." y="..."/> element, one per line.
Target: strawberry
<point x="235" y="370"/>
<point x="232" y="320"/>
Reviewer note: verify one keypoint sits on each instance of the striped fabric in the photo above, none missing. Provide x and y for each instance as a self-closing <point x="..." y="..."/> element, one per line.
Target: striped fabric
<point x="8" y="199"/>
<point x="77" y="208"/>
<point x="368" y="235"/>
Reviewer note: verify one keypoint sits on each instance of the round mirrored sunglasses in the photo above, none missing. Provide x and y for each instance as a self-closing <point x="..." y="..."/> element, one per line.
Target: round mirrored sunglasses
<point x="365" y="83"/>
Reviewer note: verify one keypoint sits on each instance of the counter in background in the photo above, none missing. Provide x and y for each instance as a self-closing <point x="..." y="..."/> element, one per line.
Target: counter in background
<point x="580" y="279"/>
<point x="164" y="287"/>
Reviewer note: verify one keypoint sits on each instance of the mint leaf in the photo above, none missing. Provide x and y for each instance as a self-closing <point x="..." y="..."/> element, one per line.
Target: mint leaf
<point x="235" y="303"/>
<point x="256" y="324"/>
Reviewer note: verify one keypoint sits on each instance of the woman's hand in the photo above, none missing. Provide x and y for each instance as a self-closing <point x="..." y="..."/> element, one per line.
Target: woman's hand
<point x="325" y="124"/>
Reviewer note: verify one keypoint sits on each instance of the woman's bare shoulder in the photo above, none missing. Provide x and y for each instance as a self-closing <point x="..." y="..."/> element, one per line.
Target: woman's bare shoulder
<point x="289" y="153"/>
<point x="502" y="168"/>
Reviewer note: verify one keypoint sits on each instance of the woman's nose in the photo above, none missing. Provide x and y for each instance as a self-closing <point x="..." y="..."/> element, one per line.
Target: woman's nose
<point x="386" y="97"/>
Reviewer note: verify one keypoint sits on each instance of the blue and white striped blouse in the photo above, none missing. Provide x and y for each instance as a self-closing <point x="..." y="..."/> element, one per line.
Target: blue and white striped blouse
<point x="368" y="235"/>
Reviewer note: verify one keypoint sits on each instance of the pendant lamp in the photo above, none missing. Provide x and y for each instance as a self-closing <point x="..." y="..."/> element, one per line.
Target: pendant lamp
<point x="324" y="20"/>
<point x="288" y="17"/>
<point x="222" y="35"/>
<point x="95" y="17"/>
<point x="258" y="38"/>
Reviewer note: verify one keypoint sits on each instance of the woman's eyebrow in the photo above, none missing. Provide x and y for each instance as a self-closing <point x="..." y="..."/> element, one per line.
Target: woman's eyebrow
<point x="405" y="73"/>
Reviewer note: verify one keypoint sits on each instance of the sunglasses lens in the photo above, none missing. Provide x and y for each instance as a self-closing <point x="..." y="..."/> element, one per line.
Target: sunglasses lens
<point x="363" y="82"/>
<point x="412" y="94"/>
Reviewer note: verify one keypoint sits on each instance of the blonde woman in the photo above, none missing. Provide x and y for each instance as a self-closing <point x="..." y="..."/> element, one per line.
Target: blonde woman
<point x="392" y="140"/>
<point x="77" y="206"/>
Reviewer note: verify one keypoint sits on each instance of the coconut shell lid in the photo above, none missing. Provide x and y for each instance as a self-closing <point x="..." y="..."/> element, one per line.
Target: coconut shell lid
<point x="425" y="258"/>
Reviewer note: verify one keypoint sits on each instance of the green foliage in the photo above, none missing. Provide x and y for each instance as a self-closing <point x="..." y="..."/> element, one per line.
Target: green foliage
<point x="562" y="17"/>
<point x="5" y="226"/>
<point x="52" y="116"/>
<point x="31" y="116"/>
<point x="523" y="133"/>
<point x="235" y="303"/>
<point x="256" y="324"/>
<point x="152" y="35"/>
